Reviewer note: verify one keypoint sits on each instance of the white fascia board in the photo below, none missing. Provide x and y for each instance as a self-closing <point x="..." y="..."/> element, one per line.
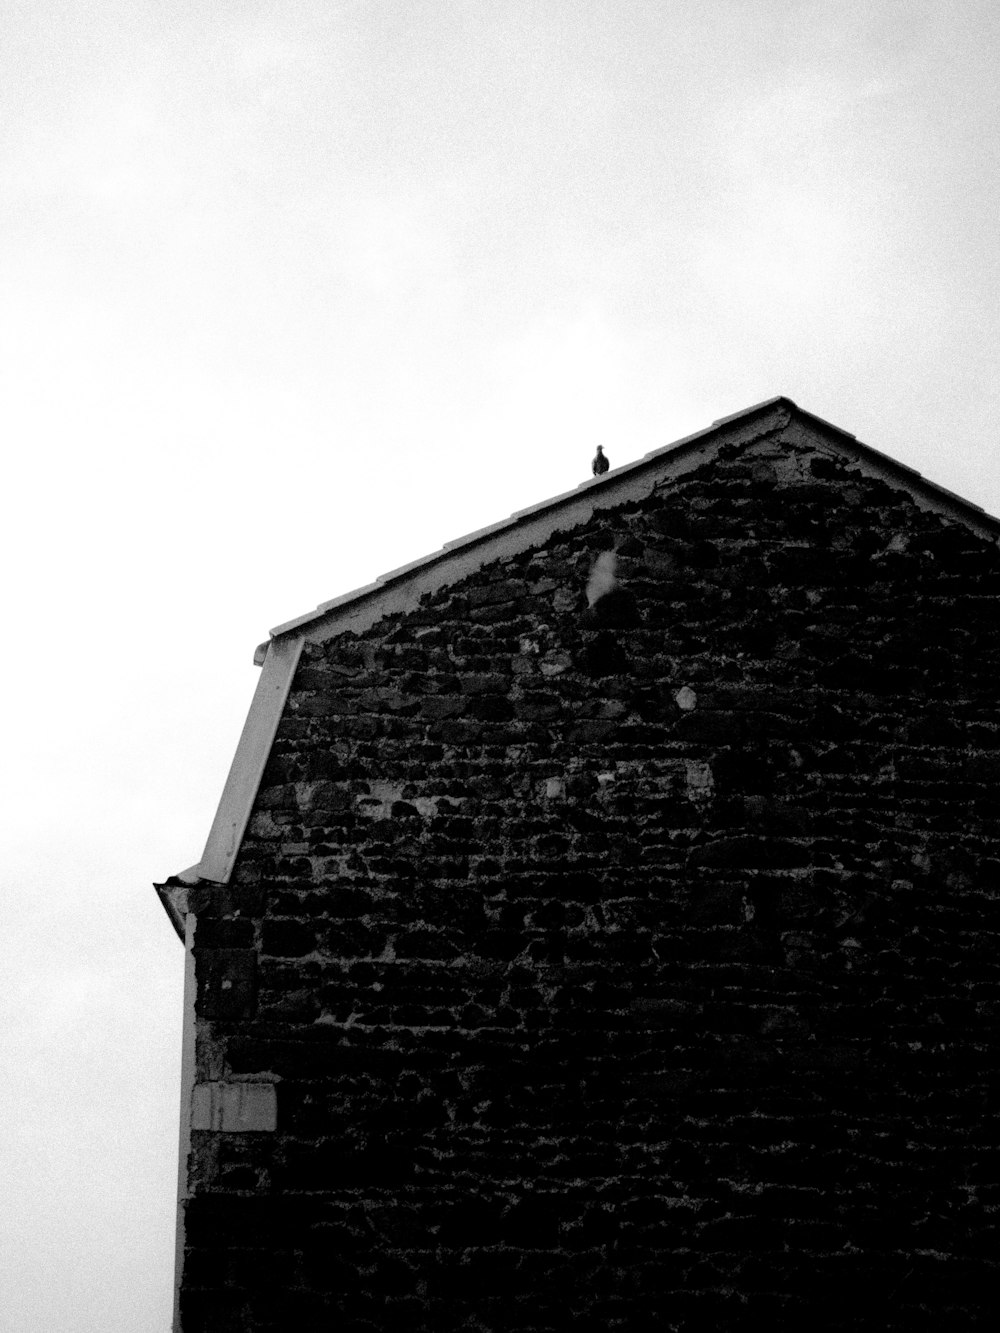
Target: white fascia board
<point x="401" y="589"/>
<point x="248" y="763"/>
<point x="358" y="613"/>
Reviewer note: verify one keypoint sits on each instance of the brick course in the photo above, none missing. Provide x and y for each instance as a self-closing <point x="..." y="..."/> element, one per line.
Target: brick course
<point x="631" y="964"/>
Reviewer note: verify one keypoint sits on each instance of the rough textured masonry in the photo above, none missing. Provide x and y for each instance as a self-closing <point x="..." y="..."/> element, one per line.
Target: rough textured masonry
<point x="623" y="963"/>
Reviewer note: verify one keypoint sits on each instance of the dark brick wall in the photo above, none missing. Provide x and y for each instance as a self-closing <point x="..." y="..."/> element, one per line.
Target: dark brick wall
<point x="629" y="967"/>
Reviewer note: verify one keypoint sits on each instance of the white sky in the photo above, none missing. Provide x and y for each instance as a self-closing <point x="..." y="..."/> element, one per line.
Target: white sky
<point x="291" y="294"/>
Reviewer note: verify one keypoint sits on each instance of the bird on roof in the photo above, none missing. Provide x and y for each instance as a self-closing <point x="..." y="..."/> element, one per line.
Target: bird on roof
<point x="600" y="464"/>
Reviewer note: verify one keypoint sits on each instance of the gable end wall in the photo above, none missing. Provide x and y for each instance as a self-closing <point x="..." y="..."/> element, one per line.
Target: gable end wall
<point x="630" y="959"/>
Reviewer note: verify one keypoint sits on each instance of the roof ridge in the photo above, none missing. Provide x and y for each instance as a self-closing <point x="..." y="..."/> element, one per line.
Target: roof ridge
<point x="616" y="475"/>
<point x="470" y="538"/>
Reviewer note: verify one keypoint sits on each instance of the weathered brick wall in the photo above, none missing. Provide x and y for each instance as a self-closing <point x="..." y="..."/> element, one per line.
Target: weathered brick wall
<point x="634" y="965"/>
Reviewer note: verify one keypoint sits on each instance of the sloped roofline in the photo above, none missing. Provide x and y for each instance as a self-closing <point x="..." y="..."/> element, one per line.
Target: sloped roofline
<point x="401" y="589"/>
<point x="554" y="502"/>
<point x="674" y="453"/>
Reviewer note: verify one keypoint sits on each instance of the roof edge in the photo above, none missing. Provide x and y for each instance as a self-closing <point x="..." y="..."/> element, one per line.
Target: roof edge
<point x="252" y="750"/>
<point x="955" y="505"/>
<point x="675" y="450"/>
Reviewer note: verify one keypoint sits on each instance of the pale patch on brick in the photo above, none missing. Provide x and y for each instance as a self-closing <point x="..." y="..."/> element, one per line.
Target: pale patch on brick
<point x="602" y="577"/>
<point x="382" y="796"/>
<point x="700" y="787"/>
<point x="685" y="698"/>
<point x="235" y="1108"/>
<point x="264" y="825"/>
<point x="556" y="664"/>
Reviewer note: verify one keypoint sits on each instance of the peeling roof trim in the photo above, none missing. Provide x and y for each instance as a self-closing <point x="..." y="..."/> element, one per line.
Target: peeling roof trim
<point x="401" y="589"/>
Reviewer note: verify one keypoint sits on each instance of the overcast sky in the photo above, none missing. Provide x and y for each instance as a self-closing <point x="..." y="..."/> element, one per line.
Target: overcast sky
<point x="291" y="294"/>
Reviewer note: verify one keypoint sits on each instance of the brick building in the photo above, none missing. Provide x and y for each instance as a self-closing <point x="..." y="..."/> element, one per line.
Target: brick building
<point x="599" y="926"/>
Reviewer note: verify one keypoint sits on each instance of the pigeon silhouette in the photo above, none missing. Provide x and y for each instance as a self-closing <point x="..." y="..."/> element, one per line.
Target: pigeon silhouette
<point x="600" y="464"/>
